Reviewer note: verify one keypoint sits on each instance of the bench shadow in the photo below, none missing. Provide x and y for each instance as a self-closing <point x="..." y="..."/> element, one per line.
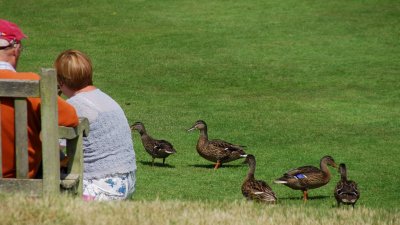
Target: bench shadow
<point x="156" y="164"/>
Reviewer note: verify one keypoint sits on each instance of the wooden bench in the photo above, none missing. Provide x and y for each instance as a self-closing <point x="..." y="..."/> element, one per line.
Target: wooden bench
<point x="53" y="182"/>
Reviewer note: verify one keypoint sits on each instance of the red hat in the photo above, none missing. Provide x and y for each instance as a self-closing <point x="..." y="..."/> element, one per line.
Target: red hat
<point x="9" y="33"/>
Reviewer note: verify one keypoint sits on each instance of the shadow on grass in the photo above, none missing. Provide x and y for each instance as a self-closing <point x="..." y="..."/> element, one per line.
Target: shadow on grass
<point x="156" y="164"/>
<point x="211" y="166"/>
<point x="309" y="198"/>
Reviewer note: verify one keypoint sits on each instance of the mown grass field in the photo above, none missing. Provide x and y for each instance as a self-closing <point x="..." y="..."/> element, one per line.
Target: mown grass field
<point x="291" y="80"/>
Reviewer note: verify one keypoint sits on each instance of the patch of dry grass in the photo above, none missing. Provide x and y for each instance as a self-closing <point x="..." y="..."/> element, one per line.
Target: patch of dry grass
<point x="18" y="209"/>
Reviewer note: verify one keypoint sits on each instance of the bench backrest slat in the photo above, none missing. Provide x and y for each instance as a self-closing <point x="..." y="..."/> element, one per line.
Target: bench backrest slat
<point x="49" y="110"/>
<point x="21" y="138"/>
<point x="19" y="88"/>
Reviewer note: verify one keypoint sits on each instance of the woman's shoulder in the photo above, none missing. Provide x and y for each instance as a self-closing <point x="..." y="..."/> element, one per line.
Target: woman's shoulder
<point x="95" y="100"/>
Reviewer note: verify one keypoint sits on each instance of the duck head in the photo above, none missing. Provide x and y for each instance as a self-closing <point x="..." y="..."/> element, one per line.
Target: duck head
<point x="137" y="126"/>
<point x="200" y="125"/>
<point x="328" y="160"/>
<point x="250" y="159"/>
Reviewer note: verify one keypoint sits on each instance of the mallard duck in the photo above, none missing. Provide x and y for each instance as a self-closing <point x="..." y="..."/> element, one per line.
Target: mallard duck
<point x="346" y="191"/>
<point x="156" y="148"/>
<point x="257" y="190"/>
<point x="308" y="177"/>
<point x="216" y="150"/>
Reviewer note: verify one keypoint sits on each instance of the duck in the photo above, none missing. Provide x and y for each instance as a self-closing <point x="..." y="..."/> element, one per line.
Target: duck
<point x="256" y="190"/>
<point x="216" y="150"/>
<point x="156" y="148"/>
<point x="346" y="191"/>
<point x="308" y="177"/>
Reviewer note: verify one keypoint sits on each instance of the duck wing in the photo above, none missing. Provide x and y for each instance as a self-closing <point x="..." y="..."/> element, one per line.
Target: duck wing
<point x="302" y="172"/>
<point x="217" y="143"/>
<point x="299" y="177"/>
<point x="164" y="147"/>
<point x="258" y="190"/>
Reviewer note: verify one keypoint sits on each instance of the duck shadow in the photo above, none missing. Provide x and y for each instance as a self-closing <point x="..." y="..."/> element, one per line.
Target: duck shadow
<point x="156" y="164"/>
<point x="309" y="198"/>
<point x="211" y="166"/>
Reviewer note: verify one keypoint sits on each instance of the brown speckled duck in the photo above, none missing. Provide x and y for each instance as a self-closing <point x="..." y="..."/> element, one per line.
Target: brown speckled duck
<point x="257" y="190"/>
<point x="156" y="148"/>
<point x="216" y="150"/>
<point x="308" y="177"/>
<point x="346" y="191"/>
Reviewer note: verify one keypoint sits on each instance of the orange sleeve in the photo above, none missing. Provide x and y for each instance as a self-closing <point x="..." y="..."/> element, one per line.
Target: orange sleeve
<point x="66" y="114"/>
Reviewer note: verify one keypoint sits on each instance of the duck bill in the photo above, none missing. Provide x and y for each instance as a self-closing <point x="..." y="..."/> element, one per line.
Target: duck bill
<point x="191" y="129"/>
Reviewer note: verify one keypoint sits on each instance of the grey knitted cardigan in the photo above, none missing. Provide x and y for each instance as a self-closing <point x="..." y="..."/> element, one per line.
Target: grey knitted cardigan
<point x="108" y="149"/>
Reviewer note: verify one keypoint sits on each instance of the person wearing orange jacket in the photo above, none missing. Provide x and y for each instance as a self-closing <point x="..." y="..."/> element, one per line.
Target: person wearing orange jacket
<point x="10" y="50"/>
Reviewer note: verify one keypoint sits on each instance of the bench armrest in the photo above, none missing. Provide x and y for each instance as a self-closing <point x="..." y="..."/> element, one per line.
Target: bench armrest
<point x="74" y="137"/>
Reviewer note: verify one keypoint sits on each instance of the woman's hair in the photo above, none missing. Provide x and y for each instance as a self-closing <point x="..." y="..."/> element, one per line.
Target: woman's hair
<point x="74" y="69"/>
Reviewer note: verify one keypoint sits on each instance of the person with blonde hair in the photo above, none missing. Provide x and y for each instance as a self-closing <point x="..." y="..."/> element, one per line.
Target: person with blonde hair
<point x="108" y="154"/>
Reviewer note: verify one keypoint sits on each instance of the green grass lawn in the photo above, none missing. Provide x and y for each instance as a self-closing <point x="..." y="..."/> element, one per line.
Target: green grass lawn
<point x="291" y="80"/>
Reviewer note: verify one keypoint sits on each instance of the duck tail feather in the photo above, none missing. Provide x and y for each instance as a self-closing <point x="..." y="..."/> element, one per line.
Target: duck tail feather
<point x="280" y="182"/>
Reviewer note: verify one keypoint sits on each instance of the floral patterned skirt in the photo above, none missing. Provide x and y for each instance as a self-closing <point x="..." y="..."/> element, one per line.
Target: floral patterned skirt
<point x="115" y="187"/>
